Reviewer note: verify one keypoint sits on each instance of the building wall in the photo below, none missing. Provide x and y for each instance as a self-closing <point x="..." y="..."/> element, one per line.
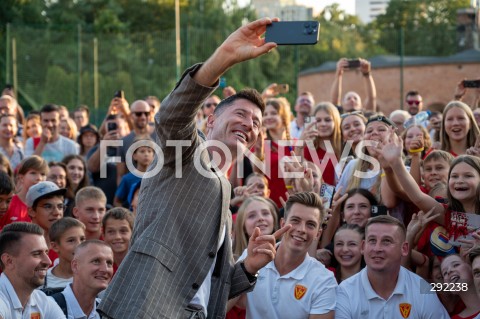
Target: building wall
<point x="368" y="10"/>
<point x="436" y="83"/>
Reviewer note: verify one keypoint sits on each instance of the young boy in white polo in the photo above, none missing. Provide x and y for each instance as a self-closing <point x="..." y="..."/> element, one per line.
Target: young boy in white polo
<point x="297" y="285"/>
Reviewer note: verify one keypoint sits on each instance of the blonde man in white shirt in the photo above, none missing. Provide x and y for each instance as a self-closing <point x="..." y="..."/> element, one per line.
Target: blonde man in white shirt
<point x="92" y="267"/>
<point x="384" y="289"/>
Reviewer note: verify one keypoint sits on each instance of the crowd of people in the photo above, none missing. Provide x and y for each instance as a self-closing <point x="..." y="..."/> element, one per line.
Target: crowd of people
<point x="239" y="222"/>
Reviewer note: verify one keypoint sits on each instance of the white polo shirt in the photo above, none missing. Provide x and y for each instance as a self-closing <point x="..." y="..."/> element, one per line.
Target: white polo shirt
<point x="411" y="298"/>
<point x="74" y="311"/>
<point x="39" y="306"/>
<point x="309" y="289"/>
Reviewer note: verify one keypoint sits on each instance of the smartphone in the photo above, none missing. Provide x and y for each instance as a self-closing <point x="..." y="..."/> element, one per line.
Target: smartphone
<point x="222" y="83"/>
<point x="112" y="126"/>
<point x="378" y="210"/>
<point x="326" y="193"/>
<point x="309" y="119"/>
<point x="293" y="32"/>
<point x="471" y="83"/>
<point x="119" y="94"/>
<point x="353" y="64"/>
<point x="282" y="88"/>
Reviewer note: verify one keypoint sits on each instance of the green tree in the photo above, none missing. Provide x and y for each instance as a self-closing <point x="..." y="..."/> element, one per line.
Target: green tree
<point x="428" y="26"/>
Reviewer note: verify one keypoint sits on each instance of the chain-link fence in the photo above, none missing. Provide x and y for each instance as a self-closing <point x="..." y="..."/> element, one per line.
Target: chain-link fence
<point x="69" y="65"/>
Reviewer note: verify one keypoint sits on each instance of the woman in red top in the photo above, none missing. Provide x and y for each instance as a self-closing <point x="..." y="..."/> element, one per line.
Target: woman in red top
<point x="276" y="120"/>
<point x="323" y="141"/>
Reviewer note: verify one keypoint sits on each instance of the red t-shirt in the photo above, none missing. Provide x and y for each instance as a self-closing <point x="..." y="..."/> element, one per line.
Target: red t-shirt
<point x="329" y="171"/>
<point x="52" y="255"/>
<point x="469" y="317"/>
<point x="275" y="182"/>
<point x="17" y="212"/>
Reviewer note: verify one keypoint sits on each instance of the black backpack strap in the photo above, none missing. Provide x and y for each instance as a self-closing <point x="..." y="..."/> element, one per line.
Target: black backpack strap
<point x="60" y="300"/>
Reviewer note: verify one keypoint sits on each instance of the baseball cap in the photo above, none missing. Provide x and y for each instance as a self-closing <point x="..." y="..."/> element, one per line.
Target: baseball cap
<point x="41" y="190"/>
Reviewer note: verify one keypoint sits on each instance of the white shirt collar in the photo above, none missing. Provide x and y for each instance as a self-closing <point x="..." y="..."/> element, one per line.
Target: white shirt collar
<point x="10" y="291"/>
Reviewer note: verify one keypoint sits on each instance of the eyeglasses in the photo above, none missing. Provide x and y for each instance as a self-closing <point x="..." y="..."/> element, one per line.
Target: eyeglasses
<point x="210" y="105"/>
<point x="50" y="207"/>
<point x="138" y="114"/>
<point x="344" y="115"/>
<point x="411" y="102"/>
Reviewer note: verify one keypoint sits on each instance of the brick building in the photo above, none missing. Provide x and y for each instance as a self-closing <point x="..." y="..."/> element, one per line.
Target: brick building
<point x="434" y="77"/>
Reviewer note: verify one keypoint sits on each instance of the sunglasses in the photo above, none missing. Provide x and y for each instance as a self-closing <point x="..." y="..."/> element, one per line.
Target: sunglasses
<point x="414" y="102"/>
<point x="344" y="115"/>
<point x="210" y="105"/>
<point x="138" y="114"/>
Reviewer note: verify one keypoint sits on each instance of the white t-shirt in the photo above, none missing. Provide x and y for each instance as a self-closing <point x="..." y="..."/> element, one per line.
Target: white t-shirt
<point x="55" y="151"/>
<point x="39" y="306"/>
<point x="308" y="289"/>
<point x="411" y="296"/>
<point x="53" y="281"/>
<point x="74" y="311"/>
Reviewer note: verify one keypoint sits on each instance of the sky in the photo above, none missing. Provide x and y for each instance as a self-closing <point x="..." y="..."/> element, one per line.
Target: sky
<point x="317" y="5"/>
<point x="347" y="5"/>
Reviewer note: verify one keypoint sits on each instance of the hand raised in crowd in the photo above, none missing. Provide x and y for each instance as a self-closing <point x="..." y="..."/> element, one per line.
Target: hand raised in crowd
<point x="418" y="223"/>
<point x="309" y="133"/>
<point x="119" y="105"/>
<point x="228" y="91"/>
<point x="417" y="143"/>
<point x="475" y="149"/>
<point x="365" y="66"/>
<point x="342" y="65"/>
<point x="243" y="192"/>
<point x="298" y="184"/>
<point x="46" y="135"/>
<point x="469" y="244"/>
<point x="262" y="249"/>
<point x="392" y="150"/>
<point x="270" y="91"/>
<point x="244" y="44"/>
<point x="460" y="91"/>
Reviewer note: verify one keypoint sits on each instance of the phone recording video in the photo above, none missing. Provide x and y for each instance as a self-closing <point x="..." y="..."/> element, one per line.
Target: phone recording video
<point x="378" y="210"/>
<point x="326" y="193"/>
<point x="471" y="84"/>
<point x="353" y="64"/>
<point x="112" y="126"/>
<point x="119" y="94"/>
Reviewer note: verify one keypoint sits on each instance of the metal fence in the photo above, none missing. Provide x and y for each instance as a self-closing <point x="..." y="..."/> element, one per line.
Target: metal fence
<point x="68" y="65"/>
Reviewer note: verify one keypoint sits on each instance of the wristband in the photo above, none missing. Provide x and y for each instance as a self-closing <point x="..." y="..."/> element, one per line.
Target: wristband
<point x="417" y="150"/>
<point x="289" y="186"/>
<point x="366" y="74"/>
<point x="251" y="278"/>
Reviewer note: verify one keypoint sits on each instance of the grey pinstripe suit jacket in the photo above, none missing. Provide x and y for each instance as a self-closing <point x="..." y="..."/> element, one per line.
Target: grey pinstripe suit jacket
<point x="178" y="225"/>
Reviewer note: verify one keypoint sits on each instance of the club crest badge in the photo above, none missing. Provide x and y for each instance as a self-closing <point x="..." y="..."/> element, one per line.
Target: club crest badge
<point x="405" y="309"/>
<point x="300" y="291"/>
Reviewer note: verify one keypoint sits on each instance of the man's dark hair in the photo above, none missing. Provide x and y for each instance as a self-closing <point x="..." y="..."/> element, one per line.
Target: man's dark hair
<point x="248" y="94"/>
<point x="47" y="108"/>
<point x="411" y="93"/>
<point x="6" y="184"/>
<point x="309" y="199"/>
<point x="12" y="234"/>
<point x="82" y="108"/>
<point x="474" y="253"/>
<point x="118" y="213"/>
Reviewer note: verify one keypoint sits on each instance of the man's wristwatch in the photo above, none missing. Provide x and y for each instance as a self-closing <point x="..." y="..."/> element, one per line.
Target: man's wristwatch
<point x="251" y="278"/>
